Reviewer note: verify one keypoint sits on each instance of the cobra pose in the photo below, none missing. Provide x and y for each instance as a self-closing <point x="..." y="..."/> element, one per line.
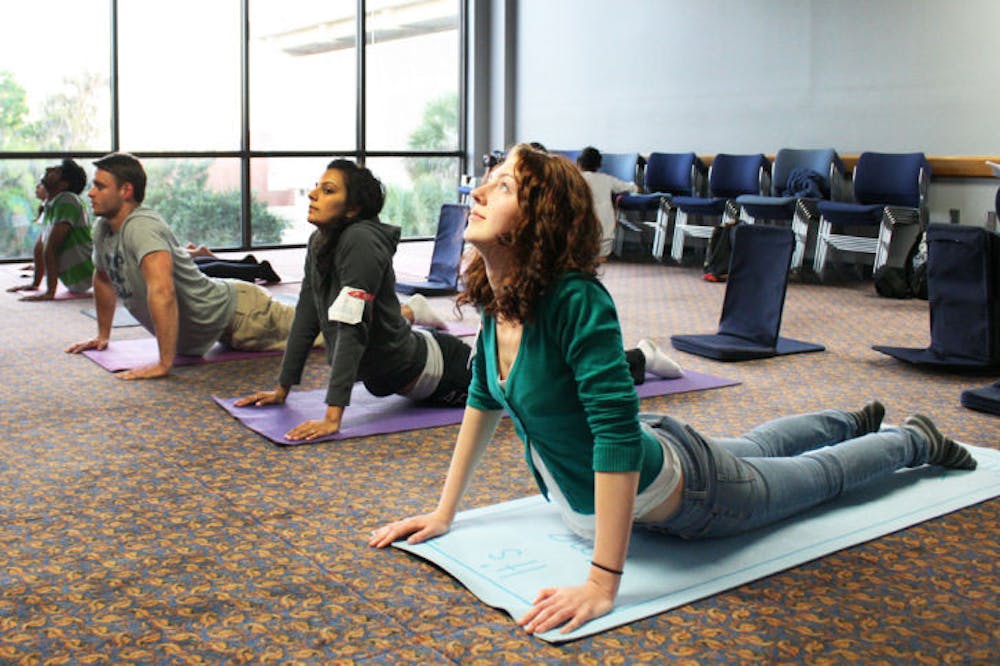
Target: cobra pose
<point x="348" y="295"/>
<point x="549" y="354"/>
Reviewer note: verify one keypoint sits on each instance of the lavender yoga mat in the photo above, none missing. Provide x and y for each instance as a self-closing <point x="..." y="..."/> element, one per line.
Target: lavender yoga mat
<point x="368" y="415"/>
<point x="128" y="354"/>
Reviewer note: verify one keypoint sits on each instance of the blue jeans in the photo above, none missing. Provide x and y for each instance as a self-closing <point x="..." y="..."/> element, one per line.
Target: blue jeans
<point x="778" y="469"/>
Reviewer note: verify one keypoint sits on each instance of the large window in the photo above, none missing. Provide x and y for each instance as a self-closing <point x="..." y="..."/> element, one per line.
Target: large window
<point x="412" y="102"/>
<point x="54" y="98"/>
<point x="235" y="114"/>
<point x="303" y="75"/>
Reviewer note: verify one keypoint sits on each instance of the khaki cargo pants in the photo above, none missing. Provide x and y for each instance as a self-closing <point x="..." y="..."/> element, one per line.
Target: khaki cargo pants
<point x="259" y="323"/>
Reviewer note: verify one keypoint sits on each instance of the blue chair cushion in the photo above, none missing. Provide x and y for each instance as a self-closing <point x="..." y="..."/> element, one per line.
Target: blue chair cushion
<point x="722" y="347"/>
<point x="768" y="208"/>
<point x="642" y="202"/>
<point x="839" y="212"/>
<point x="700" y="205"/>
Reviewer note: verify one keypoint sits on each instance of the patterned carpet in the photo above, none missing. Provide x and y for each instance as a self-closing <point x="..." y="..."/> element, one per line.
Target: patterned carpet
<point x="140" y="524"/>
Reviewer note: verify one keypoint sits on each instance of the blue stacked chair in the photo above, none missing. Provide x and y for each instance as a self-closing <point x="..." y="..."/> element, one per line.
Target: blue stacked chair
<point x="754" y="300"/>
<point x="665" y="175"/>
<point x="800" y="179"/>
<point x="728" y="177"/>
<point x="623" y="166"/>
<point x="571" y="155"/>
<point x="890" y="197"/>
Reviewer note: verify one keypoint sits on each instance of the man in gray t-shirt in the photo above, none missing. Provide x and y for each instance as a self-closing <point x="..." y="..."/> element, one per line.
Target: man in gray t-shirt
<point x="204" y="305"/>
<point x="138" y="260"/>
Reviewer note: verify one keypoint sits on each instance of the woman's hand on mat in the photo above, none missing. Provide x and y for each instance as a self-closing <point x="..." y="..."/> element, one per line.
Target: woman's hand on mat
<point x="312" y="429"/>
<point x="152" y="371"/>
<point x="275" y="397"/>
<point x="569" y="606"/>
<point x="100" y="344"/>
<point x="417" y="528"/>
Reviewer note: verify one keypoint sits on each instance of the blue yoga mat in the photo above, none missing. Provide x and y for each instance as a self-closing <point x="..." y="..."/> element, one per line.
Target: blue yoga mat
<point x="505" y="553"/>
<point x="123" y="318"/>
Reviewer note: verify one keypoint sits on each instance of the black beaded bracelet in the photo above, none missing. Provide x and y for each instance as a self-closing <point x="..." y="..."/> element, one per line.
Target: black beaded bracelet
<point x="616" y="572"/>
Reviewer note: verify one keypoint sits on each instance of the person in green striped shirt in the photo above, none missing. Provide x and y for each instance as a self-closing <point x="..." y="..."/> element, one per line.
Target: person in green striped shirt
<point x="65" y="247"/>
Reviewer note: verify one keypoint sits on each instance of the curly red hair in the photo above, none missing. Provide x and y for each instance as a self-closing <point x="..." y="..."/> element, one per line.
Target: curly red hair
<point x="557" y="232"/>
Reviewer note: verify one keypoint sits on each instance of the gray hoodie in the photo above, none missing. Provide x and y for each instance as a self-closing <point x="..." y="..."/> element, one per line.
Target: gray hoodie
<point x="366" y="336"/>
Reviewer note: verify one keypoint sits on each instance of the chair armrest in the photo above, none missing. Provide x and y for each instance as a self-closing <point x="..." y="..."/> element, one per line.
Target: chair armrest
<point x="923" y="184"/>
<point x="764" y="182"/>
<point x="807" y="209"/>
<point x="897" y="215"/>
<point x="838" y="182"/>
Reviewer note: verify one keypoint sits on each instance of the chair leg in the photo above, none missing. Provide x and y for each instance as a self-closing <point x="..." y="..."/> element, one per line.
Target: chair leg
<point x="677" y="246"/>
<point x="822" y="234"/>
<point x="618" y="242"/>
<point x="800" y="228"/>
<point x="882" y="248"/>
<point x="662" y="229"/>
<point x="659" y="235"/>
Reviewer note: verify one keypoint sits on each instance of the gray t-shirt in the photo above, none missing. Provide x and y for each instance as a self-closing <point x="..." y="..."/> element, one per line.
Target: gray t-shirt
<point x="205" y="305"/>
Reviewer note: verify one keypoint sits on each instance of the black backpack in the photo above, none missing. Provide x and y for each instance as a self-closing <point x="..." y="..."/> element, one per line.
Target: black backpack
<point x="908" y="280"/>
<point x="917" y="262"/>
<point x="719" y="253"/>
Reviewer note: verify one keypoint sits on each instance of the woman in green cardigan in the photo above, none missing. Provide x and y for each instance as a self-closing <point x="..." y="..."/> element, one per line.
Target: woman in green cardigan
<point x="549" y="353"/>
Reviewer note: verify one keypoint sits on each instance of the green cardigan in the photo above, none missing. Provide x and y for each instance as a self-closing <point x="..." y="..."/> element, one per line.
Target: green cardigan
<point x="569" y="391"/>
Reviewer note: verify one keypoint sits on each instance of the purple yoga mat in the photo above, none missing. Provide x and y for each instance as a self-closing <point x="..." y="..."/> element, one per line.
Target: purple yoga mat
<point x="368" y="415"/>
<point x="128" y="354"/>
<point x="690" y="381"/>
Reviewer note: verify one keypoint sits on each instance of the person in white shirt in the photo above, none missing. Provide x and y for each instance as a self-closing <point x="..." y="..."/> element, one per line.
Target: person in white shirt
<point x="604" y="187"/>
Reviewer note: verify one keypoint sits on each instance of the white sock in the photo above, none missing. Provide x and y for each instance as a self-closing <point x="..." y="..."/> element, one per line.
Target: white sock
<point x="423" y="314"/>
<point x="657" y="362"/>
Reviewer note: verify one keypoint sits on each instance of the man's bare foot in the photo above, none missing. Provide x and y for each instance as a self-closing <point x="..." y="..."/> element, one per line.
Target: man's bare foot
<point x="199" y="251"/>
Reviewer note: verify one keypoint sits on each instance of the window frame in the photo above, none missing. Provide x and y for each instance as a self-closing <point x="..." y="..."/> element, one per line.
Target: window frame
<point x="245" y="154"/>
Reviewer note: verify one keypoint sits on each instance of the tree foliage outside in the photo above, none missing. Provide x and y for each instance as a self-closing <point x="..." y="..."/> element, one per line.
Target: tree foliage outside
<point x="17" y="202"/>
<point x="434" y="178"/>
<point x="178" y="190"/>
